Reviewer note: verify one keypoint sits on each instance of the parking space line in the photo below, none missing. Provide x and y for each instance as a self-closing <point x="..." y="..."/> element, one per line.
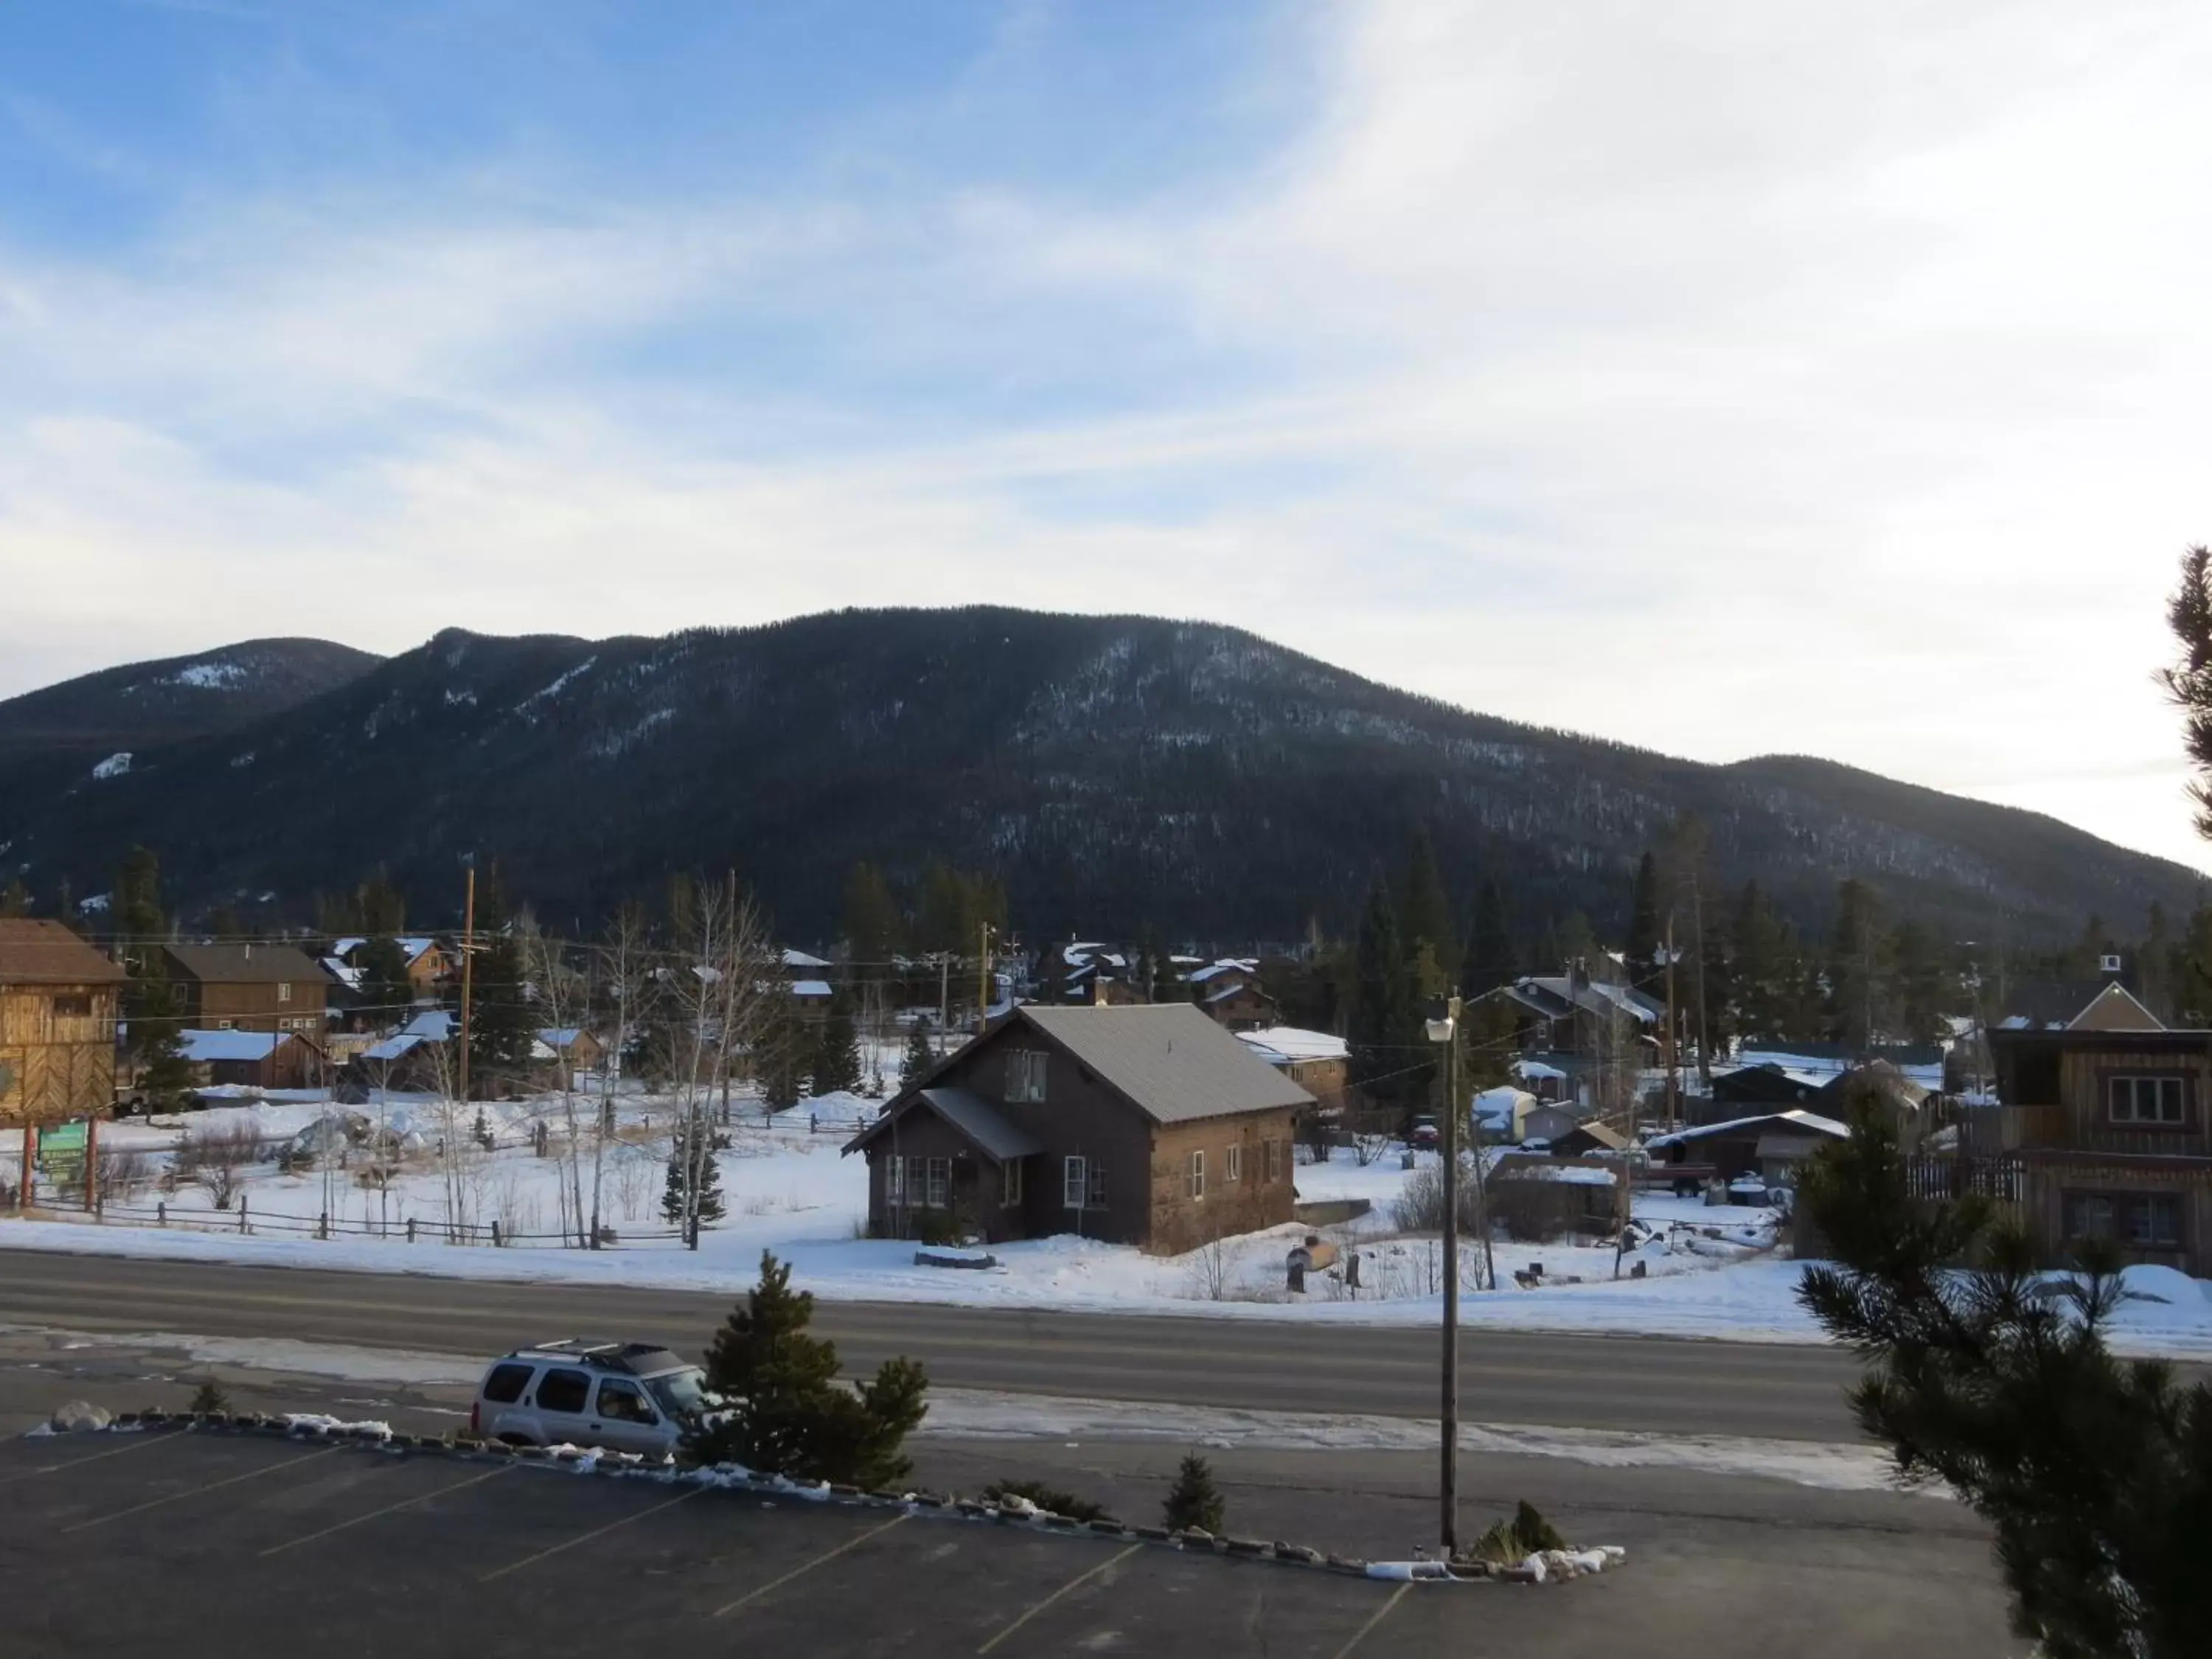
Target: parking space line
<point x="1381" y="1613"/>
<point x="1074" y="1584"/>
<point x="212" y="1485"/>
<point x="821" y="1560"/>
<point x="138" y="1443"/>
<point x="389" y="1509"/>
<point x="596" y="1532"/>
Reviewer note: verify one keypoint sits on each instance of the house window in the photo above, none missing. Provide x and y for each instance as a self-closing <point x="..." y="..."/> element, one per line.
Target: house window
<point x="895" y="1182"/>
<point x="1232" y="1165"/>
<point x="72" y="1007"/>
<point x="1025" y="1075"/>
<point x="2147" y="1220"/>
<point x="1074" y="1183"/>
<point x="2154" y="1100"/>
<point x="284" y="994"/>
<point x="932" y="1182"/>
<point x="1195" y="1182"/>
<point x="1274" y="1162"/>
<point x="1098" y="1185"/>
<point x="223" y="1025"/>
<point x="1010" y="1183"/>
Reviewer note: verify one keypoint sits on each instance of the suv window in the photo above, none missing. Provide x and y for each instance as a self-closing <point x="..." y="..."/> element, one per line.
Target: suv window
<point x="624" y="1403"/>
<point x="506" y="1383"/>
<point x="564" y="1391"/>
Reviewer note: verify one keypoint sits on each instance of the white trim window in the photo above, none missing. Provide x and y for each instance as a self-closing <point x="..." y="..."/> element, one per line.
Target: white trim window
<point x="1025" y="1072"/>
<point x="1194" y="1182"/>
<point x="1232" y="1164"/>
<point x="1074" y="1181"/>
<point x="2160" y="1100"/>
<point x="284" y="992"/>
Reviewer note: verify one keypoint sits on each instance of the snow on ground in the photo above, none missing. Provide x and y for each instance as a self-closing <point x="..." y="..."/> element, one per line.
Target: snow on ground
<point x="1710" y="1271"/>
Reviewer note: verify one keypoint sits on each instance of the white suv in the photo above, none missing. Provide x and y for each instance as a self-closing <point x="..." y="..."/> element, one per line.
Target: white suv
<point x="625" y="1396"/>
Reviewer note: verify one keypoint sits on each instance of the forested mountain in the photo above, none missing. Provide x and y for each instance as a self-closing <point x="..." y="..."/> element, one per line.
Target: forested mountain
<point x="1110" y="771"/>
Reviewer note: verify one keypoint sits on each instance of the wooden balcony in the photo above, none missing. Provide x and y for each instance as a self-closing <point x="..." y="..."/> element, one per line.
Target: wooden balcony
<point x="1995" y="1131"/>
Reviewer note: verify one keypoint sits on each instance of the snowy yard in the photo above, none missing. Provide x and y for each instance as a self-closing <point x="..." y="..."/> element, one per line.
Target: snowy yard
<point x="1708" y="1272"/>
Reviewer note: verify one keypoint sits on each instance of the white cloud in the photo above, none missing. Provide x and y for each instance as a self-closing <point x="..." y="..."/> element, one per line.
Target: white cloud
<point x="1724" y="378"/>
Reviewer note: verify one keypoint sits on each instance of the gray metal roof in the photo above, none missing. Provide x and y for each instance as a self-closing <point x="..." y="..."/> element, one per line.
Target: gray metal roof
<point x="971" y="1114"/>
<point x="1168" y="1058"/>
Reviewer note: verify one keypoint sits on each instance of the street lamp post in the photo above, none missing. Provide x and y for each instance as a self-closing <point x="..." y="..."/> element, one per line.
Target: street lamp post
<point x="1446" y="1032"/>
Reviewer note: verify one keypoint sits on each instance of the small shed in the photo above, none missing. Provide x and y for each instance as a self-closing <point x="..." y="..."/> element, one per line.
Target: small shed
<point x="253" y="1059"/>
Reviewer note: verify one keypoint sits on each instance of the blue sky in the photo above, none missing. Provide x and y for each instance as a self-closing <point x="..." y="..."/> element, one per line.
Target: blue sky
<point x="1726" y="378"/>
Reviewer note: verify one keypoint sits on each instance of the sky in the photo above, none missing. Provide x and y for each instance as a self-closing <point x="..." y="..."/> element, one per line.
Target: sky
<point x="1725" y="378"/>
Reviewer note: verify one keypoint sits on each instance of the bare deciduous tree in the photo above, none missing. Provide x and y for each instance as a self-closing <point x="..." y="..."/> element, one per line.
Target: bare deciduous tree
<point x="216" y="1159"/>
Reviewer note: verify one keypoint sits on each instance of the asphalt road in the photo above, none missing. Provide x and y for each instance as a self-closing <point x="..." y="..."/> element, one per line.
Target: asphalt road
<point x="1654" y="1384"/>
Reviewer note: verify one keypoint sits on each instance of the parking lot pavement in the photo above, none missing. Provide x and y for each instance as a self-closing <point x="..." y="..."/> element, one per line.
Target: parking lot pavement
<point x="190" y="1543"/>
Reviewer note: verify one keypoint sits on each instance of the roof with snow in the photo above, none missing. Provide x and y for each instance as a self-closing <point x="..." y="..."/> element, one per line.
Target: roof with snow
<point x="411" y="945"/>
<point x="798" y="959"/>
<point x="432" y="1025"/>
<point x="812" y="988"/>
<point x="395" y="1047"/>
<point x="1225" y="965"/>
<point x="204" y="1047"/>
<point x="558" y="1037"/>
<point x="1796" y="1119"/>
<point x="339" y="970"/>
<point x="1284" y="1045"/>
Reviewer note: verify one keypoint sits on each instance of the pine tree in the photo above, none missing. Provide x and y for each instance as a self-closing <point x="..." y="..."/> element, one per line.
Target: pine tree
<point x="1490" y="961"/>
<point x="1383" y="1015"/>
<point x="165" y="1076"/>
<point x="2094" y="1475"/>
<point x="1643" y="941"/>
<point x="1425" y="914"/>
<point x="385" y="989"/>
<point x="1194" y="1502"/>
<point x="502" y="1029"/>
<point x="837" y="1051"/>
<point x="380" y="906"/>
<point x="672" y="1206"/>
<point x="1859" y="967"/>
<point x="778" y="1407"/>
<point x="781" y="1057"/>
<point x="920" y="1056"/>
<point x="1921" y="991"/>
<point x="15" y="898"/>
<point x="871" y="922"/>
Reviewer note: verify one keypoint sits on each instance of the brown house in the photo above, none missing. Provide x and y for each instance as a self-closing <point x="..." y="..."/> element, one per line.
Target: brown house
<point x="2103" y="1134"/>
<point x="1147" y="1125"/>
<point x="260" y="1060"/>
<point x="246" y="987"/>
<point x="57" y="1010"/>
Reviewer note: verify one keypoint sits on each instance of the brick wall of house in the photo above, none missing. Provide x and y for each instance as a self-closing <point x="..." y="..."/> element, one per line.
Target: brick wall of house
<point x="1180" y="1221"/>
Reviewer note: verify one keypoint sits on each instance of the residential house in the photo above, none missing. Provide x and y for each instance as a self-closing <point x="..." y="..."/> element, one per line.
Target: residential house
<point x="57" y="1012"/>
<point x="1148" y="1125"/>
<point x="1769" y="1145"/>
<point x="1590" y="1039"/>
<point x="254" y="1060"/>
<point x="1317" y="1061"/>
<point x="1591" y="1139"/>
<point x="571" y="1049"/>
<point x="246" y="987"/>
<point x="1537" y="1198"/>
<point x="429" y="964"/>
<point x="2104" y="1132"/>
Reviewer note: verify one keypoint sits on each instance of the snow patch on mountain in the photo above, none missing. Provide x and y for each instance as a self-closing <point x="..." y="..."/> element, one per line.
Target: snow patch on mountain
<point x="114" y="766"/>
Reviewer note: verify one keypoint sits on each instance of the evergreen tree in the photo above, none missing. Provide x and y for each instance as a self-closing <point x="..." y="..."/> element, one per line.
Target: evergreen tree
<point x="1575" y="945"/>
<point x="15" y="898"/>
<point x="379" y="906"/>
<point x="1195" y="1502"/>
<point x="838" y="1050"/>
<point x="385" y="989"/>
<point x="165" y="1076"/>
<point x="2153" y="964"/>
<point x="1425" y="915"/>
<point x="1859" y="967"/>
<point x="1922" y="993"/>
<point x="777" y="1405"/>
<point x="672" y="1205"/>
<point x="871" y="922"/>
<point x="2095" y="1474"/>
<point x="920" y="1056"/>
<point x="149" y="1003"/>
<point x="1490" y="961"/>
<point x="782" y="1056"/>
<point x="1719" y="1023"/>
<point x="135" y="909"/>
<point x="1644" y="937"/>
<point x="1383" y="1014"/>
<point x="2190" y="970"/>
<point x="502" y="1029"/>
<point x="1147" y="970"/>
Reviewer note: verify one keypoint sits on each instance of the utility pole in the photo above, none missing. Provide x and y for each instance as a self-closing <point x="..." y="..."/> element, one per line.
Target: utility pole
<point x="468" y="968"/>
<point x="1446" y="1031"/>
<point x="984" y="977"/>
<point x="943" y="995"/>
<point x="1674" y="1093"/>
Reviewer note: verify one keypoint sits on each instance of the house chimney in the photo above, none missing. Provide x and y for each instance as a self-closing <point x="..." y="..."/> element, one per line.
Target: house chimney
<point x="1099" y="990"/>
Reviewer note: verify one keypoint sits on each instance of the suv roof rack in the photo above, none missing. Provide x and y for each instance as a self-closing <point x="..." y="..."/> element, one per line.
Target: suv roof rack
<point x="638" y="1358"/>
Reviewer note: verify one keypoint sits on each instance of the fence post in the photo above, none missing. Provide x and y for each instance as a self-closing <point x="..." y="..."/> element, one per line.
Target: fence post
<point x="495" y="1232"/>
<point x="410" y="1229"/>
<point x="242" y="1227"/>
<point x="161" y="1212"/>
<point x="323" y="1224"/>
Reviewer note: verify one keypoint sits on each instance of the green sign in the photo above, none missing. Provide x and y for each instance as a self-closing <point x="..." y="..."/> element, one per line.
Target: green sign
<point x="63" y="1138"/>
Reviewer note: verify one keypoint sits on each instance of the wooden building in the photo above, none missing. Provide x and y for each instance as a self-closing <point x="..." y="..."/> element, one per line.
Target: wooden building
<point x="254" y="1060"/>
<point x="2103" y="1132"/>
<point x="246" y="987"/>
<point x="1148" y="1125"/>
<point x="57" y="1011"/>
